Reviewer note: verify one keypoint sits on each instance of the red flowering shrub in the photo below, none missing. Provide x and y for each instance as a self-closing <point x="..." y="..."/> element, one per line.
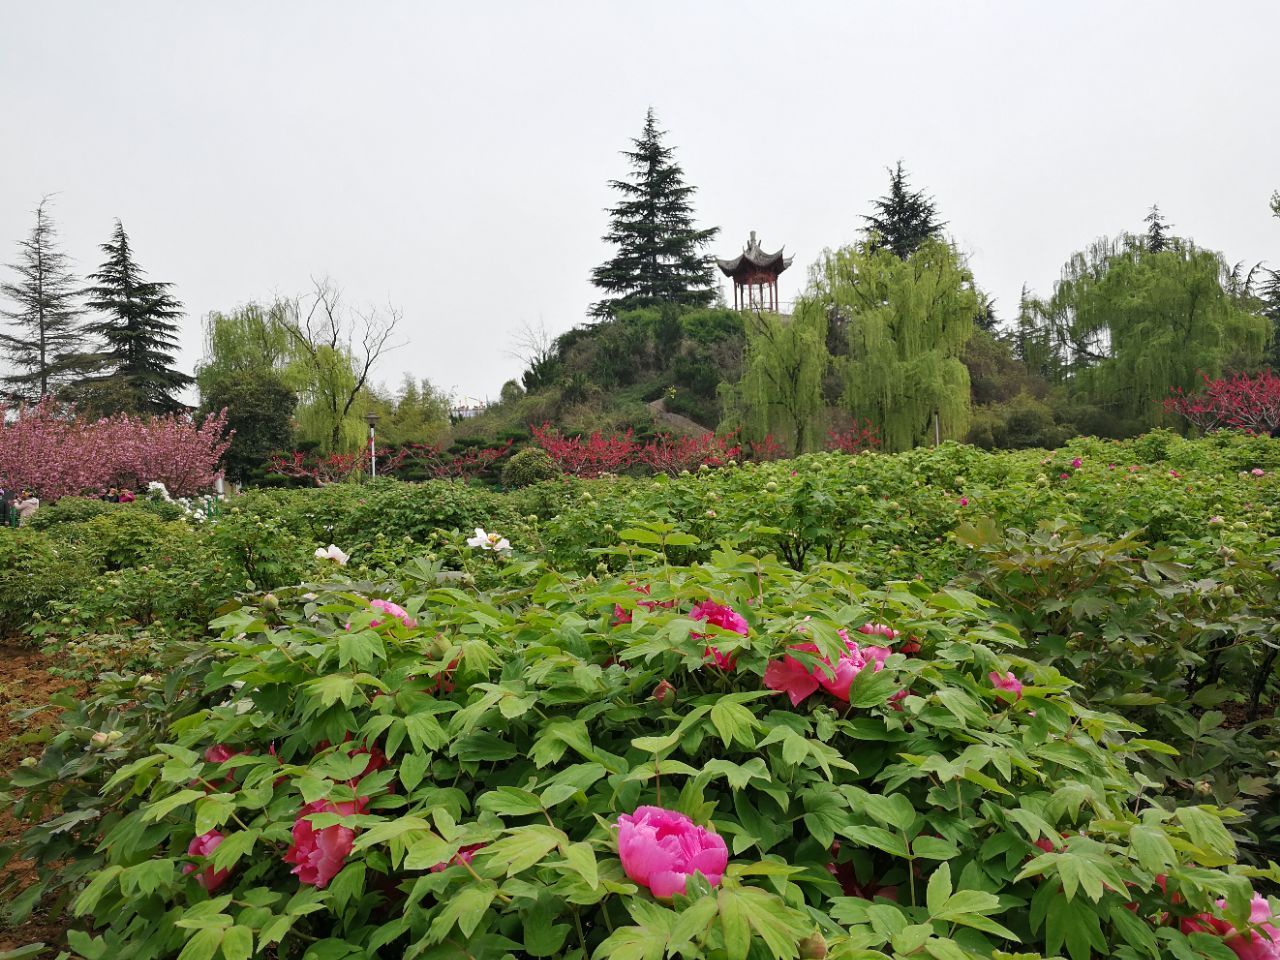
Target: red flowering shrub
<point x="1242" y="402"/>
<point x="855" y="438"/>
<point x="589" y="456"/>
<point x="670" y="455"/>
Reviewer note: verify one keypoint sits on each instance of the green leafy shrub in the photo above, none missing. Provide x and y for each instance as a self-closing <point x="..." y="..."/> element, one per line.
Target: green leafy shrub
<point x="70" y="510"/>
<point x="466" y="758"/>
<point x="530" y="465"/>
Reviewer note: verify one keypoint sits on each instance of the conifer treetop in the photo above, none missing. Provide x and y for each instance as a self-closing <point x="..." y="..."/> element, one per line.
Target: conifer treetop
<point x="658" y="255"/>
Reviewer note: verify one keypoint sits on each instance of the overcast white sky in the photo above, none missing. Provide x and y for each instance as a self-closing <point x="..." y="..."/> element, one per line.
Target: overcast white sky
<point x="453" y="158"/>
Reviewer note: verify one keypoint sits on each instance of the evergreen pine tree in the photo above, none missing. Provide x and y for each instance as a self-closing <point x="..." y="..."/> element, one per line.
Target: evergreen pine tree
<point x="903" y="219"/>
<point x="1158" y="238"/>
<point x="45" y="319"/>
<point x="658" y="259"/>
<point x="133" y="370"/>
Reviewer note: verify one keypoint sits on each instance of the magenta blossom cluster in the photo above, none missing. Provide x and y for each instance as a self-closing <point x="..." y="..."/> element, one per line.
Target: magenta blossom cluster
<point x="798" y="681"/>
<point x="726" y="618"/>
<point x="661" y="849"/>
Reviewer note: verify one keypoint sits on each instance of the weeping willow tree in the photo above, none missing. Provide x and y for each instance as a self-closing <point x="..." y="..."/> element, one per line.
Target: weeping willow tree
<point x="318" y="347"/>
<point x="781" y="388"/>
<point x="907" y="322"/>
<point x="1131" y="323"/>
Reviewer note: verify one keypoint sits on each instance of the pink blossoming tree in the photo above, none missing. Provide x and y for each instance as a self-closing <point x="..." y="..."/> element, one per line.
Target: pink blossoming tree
<point x="48" y="449"/>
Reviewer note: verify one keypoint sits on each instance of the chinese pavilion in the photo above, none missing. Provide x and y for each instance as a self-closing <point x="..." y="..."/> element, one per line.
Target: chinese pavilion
<point x="755" y="276"/>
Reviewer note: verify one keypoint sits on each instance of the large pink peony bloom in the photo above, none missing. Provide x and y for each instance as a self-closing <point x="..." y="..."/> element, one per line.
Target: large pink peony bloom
<point x="318" y="855"/>
<point x="790" y="676"/>
<point x="660" y="849"/>
<point x="1263" y="944"/>
<point x="203" y="846"/>
<point x="1007" y="682"/>
<point x="726" y="618"/>
<point x="393" y="610"/>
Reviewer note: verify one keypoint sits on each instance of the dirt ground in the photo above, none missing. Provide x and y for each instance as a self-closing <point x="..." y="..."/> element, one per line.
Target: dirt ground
<point x="25" y="682"/>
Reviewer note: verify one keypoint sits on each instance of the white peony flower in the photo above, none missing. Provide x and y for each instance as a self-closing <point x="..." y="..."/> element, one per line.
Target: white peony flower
<point x="332" y="553"/>
<point x="489" y="541"/>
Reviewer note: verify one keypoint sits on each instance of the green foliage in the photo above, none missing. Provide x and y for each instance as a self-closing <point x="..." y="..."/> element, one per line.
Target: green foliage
<point x="1133" y="592"/>
<point x="907" y="323"/>
<point x="781" y="389"/>
<point x="549" y="732"/>
<point x="1127" y="324"/>
<point x="260" y="407"/>
<point x="530" y="465"/>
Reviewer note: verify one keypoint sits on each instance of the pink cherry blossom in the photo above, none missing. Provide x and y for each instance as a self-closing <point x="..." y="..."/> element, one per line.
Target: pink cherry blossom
<point x="318" y="854"/>
<point x="46" y="448"/>
<point x="1006" y="682"/>
<point x="203" y="846"/>
<point x="660" y="849"/>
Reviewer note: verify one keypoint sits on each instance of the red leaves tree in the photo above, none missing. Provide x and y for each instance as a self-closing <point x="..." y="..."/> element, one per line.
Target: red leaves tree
<point x="854" y="439"/>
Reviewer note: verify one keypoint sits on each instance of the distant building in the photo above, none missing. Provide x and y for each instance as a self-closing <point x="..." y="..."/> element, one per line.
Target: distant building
<point x="755" y="276"/>
<point x="467" y="407"/>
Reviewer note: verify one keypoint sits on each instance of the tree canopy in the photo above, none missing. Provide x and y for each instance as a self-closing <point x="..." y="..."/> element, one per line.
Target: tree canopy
<point x="658" y="258"/>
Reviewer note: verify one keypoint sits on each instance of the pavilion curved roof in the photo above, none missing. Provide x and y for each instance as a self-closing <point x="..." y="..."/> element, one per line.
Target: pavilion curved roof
<point x="754" y="258"/>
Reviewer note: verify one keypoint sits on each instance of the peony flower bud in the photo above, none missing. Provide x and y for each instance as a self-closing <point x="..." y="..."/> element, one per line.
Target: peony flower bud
<point x="813" y="947"/>
<point x="270" y="602"/>
<point x="664" y="693"/>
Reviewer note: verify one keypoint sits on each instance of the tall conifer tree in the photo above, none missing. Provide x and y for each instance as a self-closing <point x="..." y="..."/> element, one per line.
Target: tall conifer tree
<point x="1158" y="237"/>
<point x="138" y="332"/>
<point x="658" y="257"/>
<point x="42" y="336"/>
<point x="904" y="218"/>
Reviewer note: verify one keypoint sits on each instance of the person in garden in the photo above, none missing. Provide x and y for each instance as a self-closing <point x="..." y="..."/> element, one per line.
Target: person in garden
<point x="26" y="505"/>
<point x="126" y="496"/>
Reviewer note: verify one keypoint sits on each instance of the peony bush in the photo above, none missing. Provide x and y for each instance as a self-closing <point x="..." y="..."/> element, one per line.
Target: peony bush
<point x="726" y="759"/>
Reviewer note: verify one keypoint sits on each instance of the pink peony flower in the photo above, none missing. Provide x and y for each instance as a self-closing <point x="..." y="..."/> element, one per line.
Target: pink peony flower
<point x="1261" y="944"/>
<point x="318" y="855"/>
<point x="394" y="610"/>
<point x="878" y="630"/>
<point x="221" y="753"/>
<point x="660" y="849"/>
<point x="1007" y="682"/>
<point x="1258" y="472"/>
<point x="1077" y="463"/>
<point x="622" y="615"/>
<point x="203" y="846"/>
<point x="1064" y="476"/>
<point x="793" y="678"/>
<point x="726" y="618"/>
<point x="464" y="855"/>
<point x="964" y="501"/>
<point x="1175" y="474"/>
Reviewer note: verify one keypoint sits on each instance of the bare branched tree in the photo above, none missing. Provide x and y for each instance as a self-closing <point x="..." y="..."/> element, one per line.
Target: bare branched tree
<point x="337" y="345"/>
<point x="535" y="346"/>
